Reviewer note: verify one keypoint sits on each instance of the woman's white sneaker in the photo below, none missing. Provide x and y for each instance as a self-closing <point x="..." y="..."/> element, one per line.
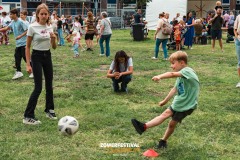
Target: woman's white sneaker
<point x="238" y="85"/>
<point x="51" y="114"/>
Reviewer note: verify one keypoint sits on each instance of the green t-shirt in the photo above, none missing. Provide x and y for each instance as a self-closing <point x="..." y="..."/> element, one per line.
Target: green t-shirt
<point x="188" y="90"/>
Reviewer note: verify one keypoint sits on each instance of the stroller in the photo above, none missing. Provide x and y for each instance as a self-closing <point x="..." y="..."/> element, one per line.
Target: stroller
<point x="230" y="33"/>
<point x="172" y="43"/>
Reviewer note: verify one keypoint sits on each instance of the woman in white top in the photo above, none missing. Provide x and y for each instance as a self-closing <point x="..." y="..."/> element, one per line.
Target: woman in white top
<point x="40" y="35"/>
<point x="120" y="71"/>
<point x="237" y="43"/>
<point x="5" y="21"/>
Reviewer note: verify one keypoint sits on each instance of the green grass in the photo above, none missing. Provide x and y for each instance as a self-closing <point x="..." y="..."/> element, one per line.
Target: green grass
<point x="82" y="90"/>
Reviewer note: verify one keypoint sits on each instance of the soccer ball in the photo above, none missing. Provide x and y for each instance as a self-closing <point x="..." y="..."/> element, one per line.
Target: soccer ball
<point x="68" y="125"/>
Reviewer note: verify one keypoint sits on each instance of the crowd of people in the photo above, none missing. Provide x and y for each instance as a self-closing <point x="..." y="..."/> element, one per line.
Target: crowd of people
<point x="45" y="31"/>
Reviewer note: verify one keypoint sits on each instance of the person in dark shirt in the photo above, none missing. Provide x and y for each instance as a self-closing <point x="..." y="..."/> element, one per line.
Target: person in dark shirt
<point x="216" y="29"/>
<point x="138" y="16"/>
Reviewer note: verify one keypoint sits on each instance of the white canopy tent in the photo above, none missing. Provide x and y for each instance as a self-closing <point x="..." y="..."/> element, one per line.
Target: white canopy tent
<point x="176" y="6"/>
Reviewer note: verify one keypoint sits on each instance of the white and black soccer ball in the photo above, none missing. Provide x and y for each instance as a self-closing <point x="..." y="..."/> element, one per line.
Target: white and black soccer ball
<point x="68" y="125"/>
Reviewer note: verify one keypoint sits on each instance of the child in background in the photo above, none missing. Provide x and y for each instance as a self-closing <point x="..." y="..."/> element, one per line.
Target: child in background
<point x="198" y="28"/>
<point x="75" y="44"/>
<point x="177" y="35"/>
<point x="186" y="91"/>
<point x="218" y="5"/>
<point x="23" y="16"/>
<point x="120" y="71"/>
<point x="183" y="31"/>
<point x="98" y="27"/>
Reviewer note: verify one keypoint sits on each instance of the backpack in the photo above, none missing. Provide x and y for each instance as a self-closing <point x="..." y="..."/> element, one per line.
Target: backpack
<point x="166" y="28"/>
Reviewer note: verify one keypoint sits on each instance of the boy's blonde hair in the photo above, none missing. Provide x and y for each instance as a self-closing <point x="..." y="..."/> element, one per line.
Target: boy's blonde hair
<point x="179" y="56"/>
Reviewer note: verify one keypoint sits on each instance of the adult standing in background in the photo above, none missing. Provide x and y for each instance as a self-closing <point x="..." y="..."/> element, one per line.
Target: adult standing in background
<point x="90" y="31"/>
<point x="138" y="16"/>
<point x="105" y="34"/>
<point x="231" y="15"/>
<point x="190" y="33"/>
<point x="226" y="18"/>
<point x="160" y="37"/>
<point x="216" y="30"/>
<point x="237" y="44"/>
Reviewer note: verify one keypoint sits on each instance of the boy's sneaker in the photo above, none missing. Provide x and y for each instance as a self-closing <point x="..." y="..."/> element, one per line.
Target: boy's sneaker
<point x="51" y="114"/>
<point x="238" y="85"/>
<point x="31" y="75"/>
<point x="31" y="121"/>
<point x="101" y="54"/>
<point x="139" y="126"/>
<point x="17" y="75"/>
<point x="161" y="144"/>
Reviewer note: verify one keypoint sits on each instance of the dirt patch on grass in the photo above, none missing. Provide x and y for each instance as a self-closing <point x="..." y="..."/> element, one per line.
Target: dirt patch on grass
<point x="146" y="72"/>
<point x="102" y="67"/>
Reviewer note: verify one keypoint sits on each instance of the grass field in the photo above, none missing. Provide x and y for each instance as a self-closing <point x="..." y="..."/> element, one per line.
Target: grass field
<point x="82" y="90"/>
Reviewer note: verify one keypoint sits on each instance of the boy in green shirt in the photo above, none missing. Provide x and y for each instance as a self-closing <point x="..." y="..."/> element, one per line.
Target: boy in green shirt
<point x="186" y="89"/>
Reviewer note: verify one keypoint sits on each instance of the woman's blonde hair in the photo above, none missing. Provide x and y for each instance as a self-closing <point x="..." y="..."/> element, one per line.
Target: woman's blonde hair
<point x="179" y="56"/>
<point x="42" y="6"/>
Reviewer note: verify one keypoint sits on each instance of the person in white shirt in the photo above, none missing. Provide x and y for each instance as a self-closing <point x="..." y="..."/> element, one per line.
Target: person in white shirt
<point x="178" y="18"/>
<point x="120" y="71"/>
<point x="5" y="21"/>
<point x="40" y="35"/>
<point x="33" y="17"/>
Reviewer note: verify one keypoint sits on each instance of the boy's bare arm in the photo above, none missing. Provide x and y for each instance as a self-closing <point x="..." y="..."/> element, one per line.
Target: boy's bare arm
<point x="172" y="92"/>
<point x="4" y="29"/>
<point x="20" y="36"/>
<point x="167" y="75"/>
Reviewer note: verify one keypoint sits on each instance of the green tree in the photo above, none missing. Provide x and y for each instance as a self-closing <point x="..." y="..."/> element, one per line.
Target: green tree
<point x="140" y="3"/>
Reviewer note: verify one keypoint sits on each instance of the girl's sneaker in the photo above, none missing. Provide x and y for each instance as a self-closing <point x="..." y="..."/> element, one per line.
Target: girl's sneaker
<point x="31" y="121"/>
<point x="51" y="114"/>
<point x="238" y="85"/>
